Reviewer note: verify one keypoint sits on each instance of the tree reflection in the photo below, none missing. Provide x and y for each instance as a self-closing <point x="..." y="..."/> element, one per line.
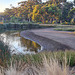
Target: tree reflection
<point x="18" y="43"/>
<point x="31" y="45"/>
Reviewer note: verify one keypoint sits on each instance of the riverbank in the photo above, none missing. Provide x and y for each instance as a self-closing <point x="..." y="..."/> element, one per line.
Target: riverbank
<point x="49" y="39"/>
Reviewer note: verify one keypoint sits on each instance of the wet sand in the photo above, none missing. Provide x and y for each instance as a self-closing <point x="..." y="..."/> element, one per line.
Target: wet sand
<point x="51" y="40"/>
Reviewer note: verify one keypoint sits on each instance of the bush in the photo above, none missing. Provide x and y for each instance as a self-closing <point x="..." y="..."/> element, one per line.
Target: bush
<point x="4" y="54"/>
<point x="53" y="22"/>
<point x="66" y="22"/>
<point x="46" y="21"/>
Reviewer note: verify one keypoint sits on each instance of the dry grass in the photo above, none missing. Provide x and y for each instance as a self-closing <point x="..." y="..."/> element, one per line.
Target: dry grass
<point x="53" y="67"/>
<point x="48" y="67"/>
<point x="1" y="70"/>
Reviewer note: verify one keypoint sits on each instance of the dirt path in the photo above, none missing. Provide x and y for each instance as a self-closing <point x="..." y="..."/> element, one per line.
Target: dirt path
<point x="50" y="39"/>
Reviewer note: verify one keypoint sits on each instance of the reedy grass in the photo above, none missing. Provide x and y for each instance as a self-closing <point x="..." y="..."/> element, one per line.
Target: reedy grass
<point x="44" y="63"/>
<point x="38" y="58"/>
<point x="50" y="66"/>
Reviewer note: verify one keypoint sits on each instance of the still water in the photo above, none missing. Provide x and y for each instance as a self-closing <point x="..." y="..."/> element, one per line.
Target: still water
<point x="18" y="44"/>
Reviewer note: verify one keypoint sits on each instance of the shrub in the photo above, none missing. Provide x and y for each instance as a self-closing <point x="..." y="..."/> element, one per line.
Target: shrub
<point x="46" y="21"/>
<point x="53" y="22"/>
<point x="66" y="22"/>
<point x="4" y="54"/>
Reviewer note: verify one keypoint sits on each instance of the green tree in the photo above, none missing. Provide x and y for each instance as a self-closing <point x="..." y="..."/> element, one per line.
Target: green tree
<point x="71" y="14"/>
<point x="66" y="7"/>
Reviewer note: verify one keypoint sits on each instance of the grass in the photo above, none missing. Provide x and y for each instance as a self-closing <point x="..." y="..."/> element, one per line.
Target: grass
<point x="48" y="66"/>
<point x="65" y="29"/>
<point x="59" y="27"/>
<point x="43" y="63"/>
<point x="37" y="58"/>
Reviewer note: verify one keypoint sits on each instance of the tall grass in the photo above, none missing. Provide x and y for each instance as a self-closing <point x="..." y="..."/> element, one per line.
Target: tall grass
<point x="38" y="58"/>
<point x="48" y="66"/>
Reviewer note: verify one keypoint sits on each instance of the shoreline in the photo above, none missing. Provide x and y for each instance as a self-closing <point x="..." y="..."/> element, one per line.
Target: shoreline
<point x="46" y="43"/>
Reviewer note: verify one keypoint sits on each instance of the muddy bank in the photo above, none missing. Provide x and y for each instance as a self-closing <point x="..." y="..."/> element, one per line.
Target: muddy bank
<point x="46" y="43"/>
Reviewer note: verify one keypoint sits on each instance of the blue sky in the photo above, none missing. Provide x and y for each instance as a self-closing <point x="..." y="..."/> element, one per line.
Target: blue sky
<point x="6" y="3"/>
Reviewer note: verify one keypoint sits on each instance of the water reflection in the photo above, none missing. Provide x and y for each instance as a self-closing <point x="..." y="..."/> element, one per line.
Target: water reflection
<point x="19" y="44"/>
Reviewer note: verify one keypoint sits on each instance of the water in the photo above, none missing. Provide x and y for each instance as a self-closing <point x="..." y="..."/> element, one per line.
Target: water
<point x="18" y="44"/>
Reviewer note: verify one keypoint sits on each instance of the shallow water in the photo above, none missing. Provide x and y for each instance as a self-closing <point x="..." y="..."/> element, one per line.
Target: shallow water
<point x="18" y="44"/>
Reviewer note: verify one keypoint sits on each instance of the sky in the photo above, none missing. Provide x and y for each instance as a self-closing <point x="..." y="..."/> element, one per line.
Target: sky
<point x="6" y="3"/>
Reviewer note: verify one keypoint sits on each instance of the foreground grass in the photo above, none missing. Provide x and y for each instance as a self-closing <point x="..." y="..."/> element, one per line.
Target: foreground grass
<point x="38" y="58"/>
<point x="44" y="63"/>
<point x="48" y="66"/>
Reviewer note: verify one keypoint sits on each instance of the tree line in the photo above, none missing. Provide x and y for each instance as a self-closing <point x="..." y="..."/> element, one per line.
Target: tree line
<point x="52" y="11"/>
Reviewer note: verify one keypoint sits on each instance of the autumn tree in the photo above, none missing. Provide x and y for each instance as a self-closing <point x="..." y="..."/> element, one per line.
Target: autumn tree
<point x="57" y="1"/>
<point x="71" y="14"/>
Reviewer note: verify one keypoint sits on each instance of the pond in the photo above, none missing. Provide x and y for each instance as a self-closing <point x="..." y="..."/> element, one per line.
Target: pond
<point x="18" y="44"/>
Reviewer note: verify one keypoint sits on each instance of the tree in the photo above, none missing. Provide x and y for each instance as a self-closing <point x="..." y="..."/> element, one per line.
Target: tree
<point x="71" y="14"/>
<point x="57" y="1"/>
<point x="65" y="7"/>
<point x="38" y="1"/>
<point x="74" y="2"/>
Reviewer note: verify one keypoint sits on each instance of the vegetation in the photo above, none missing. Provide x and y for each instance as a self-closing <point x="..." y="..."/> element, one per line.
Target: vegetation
<point x="47" y="63"/>
<point x="5" y="54"/>
<point x="43" y="63"/>
<point x="65" y="29"/>
<point x="38" y="58"/>
<point x="53" y="11"/>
